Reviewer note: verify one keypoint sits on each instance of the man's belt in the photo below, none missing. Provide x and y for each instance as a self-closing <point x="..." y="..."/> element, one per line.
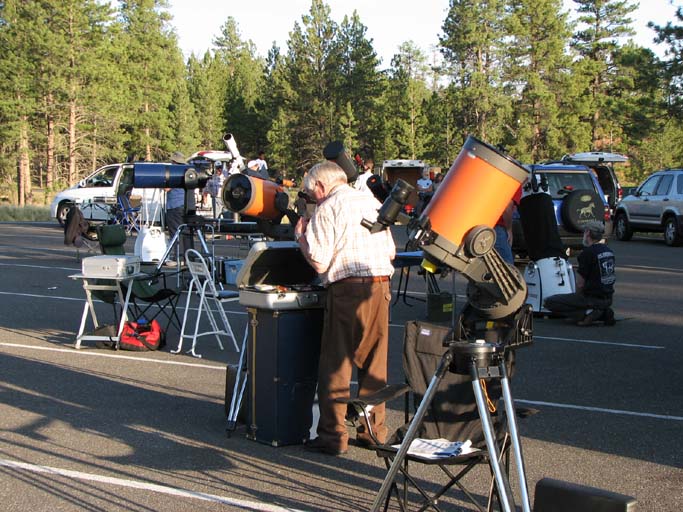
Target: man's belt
<point x="366" y="279"/>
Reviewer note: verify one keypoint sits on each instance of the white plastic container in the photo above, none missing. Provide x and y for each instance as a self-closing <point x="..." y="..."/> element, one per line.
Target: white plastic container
<point x="547" y="277"/>
<point x="151" y="244"/>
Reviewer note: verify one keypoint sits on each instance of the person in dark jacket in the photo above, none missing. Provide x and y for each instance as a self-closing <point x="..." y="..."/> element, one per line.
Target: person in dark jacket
<point x="595" y="280"/>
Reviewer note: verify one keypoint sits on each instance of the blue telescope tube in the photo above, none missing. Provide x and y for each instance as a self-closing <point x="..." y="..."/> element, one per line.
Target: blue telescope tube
<point x="159" y="175"/>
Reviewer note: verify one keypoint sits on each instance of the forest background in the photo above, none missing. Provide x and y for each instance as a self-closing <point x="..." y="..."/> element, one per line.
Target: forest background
<point x="88" y="82"/>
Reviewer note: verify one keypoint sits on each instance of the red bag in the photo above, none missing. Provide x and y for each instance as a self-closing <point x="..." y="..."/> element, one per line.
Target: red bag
<point x="142" y="337"/>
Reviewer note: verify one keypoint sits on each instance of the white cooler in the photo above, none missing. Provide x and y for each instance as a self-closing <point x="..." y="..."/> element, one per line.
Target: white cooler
<point x="547" y="277"/>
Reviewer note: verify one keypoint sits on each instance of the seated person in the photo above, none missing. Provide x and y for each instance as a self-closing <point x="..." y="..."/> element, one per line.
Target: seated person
<point x="594" y="282"/>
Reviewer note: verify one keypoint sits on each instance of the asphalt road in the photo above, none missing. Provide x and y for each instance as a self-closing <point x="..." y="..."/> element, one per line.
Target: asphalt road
<point x="100" y="430"/>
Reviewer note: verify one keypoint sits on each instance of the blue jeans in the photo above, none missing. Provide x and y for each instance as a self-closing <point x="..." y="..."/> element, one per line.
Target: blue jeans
<point x="503" y="245"/>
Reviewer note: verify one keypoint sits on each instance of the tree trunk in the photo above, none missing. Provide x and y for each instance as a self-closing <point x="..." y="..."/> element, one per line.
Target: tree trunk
<point x="148" y="147"/>
<point x="23" y="174"/>
<point x="73" y="172"/>
<point x="50" y="151"/>
<point x="93" y="164"/>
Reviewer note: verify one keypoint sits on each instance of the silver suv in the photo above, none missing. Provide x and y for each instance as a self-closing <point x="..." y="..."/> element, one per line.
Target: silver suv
<point x="655" y="206"/>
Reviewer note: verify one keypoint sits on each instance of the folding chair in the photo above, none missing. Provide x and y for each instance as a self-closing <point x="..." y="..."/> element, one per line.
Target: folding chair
<point x="149" y="292"/>
<point x="210" y="303"/>
<point x="453" y="416"/>
<point x="124" y="213"/>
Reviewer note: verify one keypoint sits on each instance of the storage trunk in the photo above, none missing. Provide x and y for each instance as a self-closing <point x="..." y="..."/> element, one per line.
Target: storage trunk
<point x="286" y="310"/>
<point x="283" y="353"/>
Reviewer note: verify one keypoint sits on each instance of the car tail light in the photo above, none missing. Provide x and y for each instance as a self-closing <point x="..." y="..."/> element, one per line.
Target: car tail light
<point x="620" y="193"/>
<point x="607" y="215"/>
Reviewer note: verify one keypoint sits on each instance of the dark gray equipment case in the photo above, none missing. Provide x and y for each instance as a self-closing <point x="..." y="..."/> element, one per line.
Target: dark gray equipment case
<point x="286" y="313"/>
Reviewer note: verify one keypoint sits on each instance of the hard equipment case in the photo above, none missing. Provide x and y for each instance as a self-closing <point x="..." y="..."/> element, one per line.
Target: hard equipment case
<point x="110" y="267"/>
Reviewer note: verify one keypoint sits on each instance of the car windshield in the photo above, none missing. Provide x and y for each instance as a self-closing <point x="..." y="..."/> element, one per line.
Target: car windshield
<point x="561" y="183"/>
<point x="104" y="178"/>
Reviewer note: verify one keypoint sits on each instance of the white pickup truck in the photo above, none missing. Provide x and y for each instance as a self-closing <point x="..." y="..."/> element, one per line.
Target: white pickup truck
<point x="98" y="190"/>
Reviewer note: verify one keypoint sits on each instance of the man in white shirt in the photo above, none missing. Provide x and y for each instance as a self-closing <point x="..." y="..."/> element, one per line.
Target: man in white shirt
<point x="356" y="267"/>
<point x="258" y="163"/>
<point x="361" y="182"/>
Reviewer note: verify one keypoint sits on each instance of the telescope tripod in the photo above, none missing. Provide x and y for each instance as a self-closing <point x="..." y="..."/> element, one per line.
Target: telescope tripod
<point x="192" y="228"/>
<point x="479" y="360"/>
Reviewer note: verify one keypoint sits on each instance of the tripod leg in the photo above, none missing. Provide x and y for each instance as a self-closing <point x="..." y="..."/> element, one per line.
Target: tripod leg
<point x="412" y="429"/>
<point x="514" y="438"/>
<point x="502" y="483"/>
<point x="171" y="244"/>
<point x="240" y="384"/>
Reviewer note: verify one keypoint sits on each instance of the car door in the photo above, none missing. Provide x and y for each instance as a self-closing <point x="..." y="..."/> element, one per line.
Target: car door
<point x="639" y="205"/>
<point x="95" y="192"/>
<point x="677" y="195"/>
<point x="660" y="199"/>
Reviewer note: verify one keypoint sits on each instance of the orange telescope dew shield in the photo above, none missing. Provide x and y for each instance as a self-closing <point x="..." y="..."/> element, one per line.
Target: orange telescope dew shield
<point x="251" y="196"/>
<point x="475" y="191"/>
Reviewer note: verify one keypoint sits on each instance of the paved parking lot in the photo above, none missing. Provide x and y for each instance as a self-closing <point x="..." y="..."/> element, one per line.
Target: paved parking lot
<point x="101" y="430"/>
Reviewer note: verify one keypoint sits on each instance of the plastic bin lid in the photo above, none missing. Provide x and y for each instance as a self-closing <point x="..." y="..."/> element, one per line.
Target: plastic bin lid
<point x="275" y="263"/>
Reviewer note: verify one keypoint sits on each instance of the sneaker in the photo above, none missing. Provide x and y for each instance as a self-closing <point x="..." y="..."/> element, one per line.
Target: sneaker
<point x="590" y="318"/>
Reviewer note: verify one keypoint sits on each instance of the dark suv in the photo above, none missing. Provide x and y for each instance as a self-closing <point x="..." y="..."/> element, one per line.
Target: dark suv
<point x="577" y="199"/>
<point x="655" y="206"/>
<point x="602" y="164"/>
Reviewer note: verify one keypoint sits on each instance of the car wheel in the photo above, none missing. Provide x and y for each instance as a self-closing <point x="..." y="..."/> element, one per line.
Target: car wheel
<point x="671" y="233"/>
<point x="579" y="208"/>
<point x="62" y="212"/>
<point x="622" y="228"/>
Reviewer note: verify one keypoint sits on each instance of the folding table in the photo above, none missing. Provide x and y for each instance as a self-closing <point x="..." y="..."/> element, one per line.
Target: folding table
<point x="114" y="284"/>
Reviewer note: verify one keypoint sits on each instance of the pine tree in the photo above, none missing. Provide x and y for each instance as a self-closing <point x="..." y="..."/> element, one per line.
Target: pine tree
<point x="243" y="77"/>
<point x="474" y="49"/>
<point x="536" y="70"/>
<point x="357" y="85"/>
<point x="672" y="35"/>
<point x="152" y="70"/>
<point x="305" y="84"/>
<point x="407" y="92"/>
<point x="207" y="91"/>
<point x="17" y="101"/>
<point x="602" y="23"/>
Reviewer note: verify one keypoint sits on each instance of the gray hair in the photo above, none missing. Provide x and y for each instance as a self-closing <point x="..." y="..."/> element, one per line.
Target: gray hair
<point x="596" y="229"/>
<point x="328" y="173"/>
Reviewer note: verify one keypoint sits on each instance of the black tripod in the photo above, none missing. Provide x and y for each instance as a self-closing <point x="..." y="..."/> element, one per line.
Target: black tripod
<point x="192" y="228"/>
<point x="479" y="360"/>
<point x="193" y="225"/>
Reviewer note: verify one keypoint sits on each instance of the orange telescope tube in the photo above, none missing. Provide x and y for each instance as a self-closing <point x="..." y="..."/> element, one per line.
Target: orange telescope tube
<point x="475" y="191"/>
<point x="251" y="196"/>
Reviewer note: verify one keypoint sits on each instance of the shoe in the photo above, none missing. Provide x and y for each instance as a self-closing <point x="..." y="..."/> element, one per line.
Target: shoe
<point x="317" y="445"/>
<point x="608" y="317"/>
<point x="367" y="444"/>
<point x="590" y="318"/>
<point x="170" y="264"/>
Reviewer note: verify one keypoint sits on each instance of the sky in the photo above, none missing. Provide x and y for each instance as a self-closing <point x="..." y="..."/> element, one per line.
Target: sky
<point x="389" y="22"/>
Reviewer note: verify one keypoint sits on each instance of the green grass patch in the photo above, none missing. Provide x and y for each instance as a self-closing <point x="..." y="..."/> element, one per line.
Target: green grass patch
<point x="9" y="213"/>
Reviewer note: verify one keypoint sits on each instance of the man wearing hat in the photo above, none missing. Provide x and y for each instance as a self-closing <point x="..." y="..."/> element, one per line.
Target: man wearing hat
<point x="594" y="282"/>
